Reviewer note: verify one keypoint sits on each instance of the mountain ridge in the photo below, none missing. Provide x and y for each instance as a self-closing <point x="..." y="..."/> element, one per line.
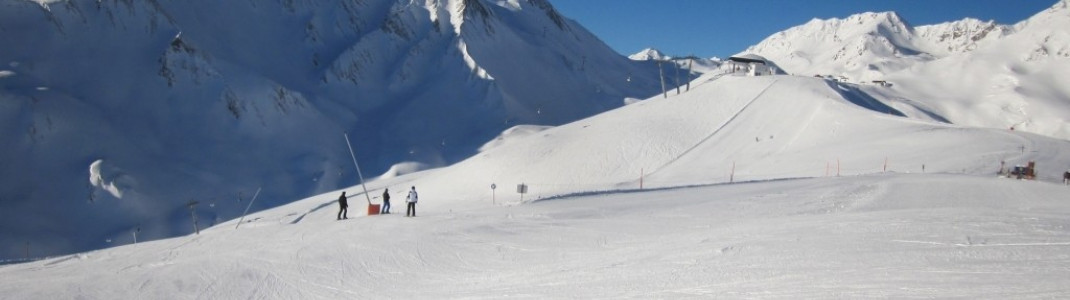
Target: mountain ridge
<point x="180" y="101"/>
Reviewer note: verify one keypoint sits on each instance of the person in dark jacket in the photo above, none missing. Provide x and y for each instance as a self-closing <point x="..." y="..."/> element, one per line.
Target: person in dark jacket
<point x="386" y="201"/>
<point x="411" y="210"/>
<point x="342" y="206"/>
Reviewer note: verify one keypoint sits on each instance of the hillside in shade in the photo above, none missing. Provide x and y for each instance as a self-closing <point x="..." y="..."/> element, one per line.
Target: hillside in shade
<point x="117" y="114"/>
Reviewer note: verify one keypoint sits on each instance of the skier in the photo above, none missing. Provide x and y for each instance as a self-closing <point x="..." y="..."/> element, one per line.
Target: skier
<point x="411" y="210"/>
<point x="342" y="206"/>
<point x="1066" y="177"/>
<point x="386" y="201"/>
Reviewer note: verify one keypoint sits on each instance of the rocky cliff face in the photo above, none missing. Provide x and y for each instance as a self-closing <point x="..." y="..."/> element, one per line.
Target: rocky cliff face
<point x="961" y="36"/>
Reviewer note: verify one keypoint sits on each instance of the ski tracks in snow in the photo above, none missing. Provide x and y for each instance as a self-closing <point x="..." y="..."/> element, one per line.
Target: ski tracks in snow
<point x="716" y="131"/>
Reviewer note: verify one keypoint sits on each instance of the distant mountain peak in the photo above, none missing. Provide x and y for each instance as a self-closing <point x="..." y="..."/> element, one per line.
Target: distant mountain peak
<point x="861" y="47"/>
<point x="551" y="13"/>
<point x="962" y="36"/>
<point x="474" y="8"/>
<point x="649" y="54"/>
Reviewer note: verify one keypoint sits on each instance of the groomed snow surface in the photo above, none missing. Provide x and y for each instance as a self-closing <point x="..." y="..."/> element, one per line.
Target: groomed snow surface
<point x="740" y="199"/>
<point x="878" y="236"/>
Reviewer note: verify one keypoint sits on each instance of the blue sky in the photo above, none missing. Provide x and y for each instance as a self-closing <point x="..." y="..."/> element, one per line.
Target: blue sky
<point x="721" y="28"/>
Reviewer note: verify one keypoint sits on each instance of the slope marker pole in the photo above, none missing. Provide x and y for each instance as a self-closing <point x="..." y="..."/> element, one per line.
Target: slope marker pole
<point x="641" y="174"/>
<point x="732" y="176"/>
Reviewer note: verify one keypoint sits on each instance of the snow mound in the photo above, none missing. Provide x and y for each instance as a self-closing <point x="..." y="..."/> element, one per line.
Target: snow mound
<point x="403" y="169"/>
<point x="106" y="178"/>
<point x="512" y="134"/>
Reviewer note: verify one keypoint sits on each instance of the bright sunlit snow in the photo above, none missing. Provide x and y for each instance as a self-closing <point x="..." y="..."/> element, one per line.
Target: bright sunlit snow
<point x="730" y="186"/>
<point x="830" y="199"/>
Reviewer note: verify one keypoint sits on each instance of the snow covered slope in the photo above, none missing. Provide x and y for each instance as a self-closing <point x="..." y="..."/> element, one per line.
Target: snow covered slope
<point x="1019" y="81"/>
<point x="762" y="127"/>
<point x="119" y="113"/>
<point x="968" y="72"/>
<point x="788" y="227"/>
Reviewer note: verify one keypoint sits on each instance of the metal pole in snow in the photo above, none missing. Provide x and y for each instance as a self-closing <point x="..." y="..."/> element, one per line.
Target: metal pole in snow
<point x="354" y="156"/>
<point x="247" y="208"/>
<point x="676" y="67"/>
<point x="690" y="60"/>
<point x="641" y="174"/>
<point x="193" y="214"/>
<point x="661" y="73"/>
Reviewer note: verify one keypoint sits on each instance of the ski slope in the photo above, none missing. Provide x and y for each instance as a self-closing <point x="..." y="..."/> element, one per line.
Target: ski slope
<point x="173" y="101"/>
<point x="783" y="225"/>
<point x="875" y="236"/>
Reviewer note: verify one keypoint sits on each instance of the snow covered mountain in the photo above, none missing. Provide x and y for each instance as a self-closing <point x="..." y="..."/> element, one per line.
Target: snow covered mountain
<point x="1017" y="81"/>
<point x="860" y="47"/>
<point x="649" y="54"/>
<point x="773" y="186"/>
<point x="117" y="114"/>
<point x="961" y="36"/>
<point x="970" y="72"/>
<point x="697" y="65"/>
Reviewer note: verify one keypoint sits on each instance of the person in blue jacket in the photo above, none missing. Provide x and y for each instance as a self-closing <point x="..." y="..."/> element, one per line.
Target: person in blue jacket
<point x="386" y="201"/>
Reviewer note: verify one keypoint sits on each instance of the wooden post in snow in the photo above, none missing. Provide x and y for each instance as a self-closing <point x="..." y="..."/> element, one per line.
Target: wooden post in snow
<point x="641" y="174"/>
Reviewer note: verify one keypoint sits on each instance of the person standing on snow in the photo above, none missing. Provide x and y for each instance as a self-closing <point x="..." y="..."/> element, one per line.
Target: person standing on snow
<point x="386" y="201"/>
<point x="342" y="206"/>
<point x="411" y="199"/>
